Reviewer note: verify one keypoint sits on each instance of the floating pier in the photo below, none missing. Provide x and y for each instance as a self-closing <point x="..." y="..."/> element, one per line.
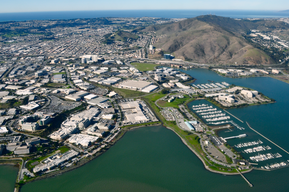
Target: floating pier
<point x="233" y="137"/>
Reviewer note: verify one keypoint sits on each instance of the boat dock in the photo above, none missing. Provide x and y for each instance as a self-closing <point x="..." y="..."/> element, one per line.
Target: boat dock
<point x="233" y="137"/>
<point x="237" y="136"/>
<point x="237" y="126"/>
<point x="267" y="139"/>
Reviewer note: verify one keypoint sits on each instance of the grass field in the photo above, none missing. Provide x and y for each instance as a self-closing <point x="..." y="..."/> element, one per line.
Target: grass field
<point x="63" y="73"/>
<point x="128" y="93"/>
<point x="144" y="66"/>
<point x="63" y="149"/>
<point x="175" y="103"/>
<point x="154" y="97"/>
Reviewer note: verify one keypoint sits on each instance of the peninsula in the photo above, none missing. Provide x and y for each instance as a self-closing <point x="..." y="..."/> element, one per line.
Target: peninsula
<point x="71" y="88"/>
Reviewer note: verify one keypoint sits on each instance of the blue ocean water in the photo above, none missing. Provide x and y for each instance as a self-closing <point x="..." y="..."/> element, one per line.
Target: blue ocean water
<point x="139" y="13"/>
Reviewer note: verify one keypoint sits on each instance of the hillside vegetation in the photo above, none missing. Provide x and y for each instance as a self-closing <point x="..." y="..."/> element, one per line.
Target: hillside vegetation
<point x="213" y="39"/>
<point x="120" y="36"/>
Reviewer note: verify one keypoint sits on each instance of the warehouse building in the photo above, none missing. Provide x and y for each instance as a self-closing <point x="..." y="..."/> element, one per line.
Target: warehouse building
<point x="134" y="85"/>
<point x="133" y="112"/>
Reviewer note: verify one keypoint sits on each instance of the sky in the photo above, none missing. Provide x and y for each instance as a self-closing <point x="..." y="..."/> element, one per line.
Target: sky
<point x="81" y="5"/>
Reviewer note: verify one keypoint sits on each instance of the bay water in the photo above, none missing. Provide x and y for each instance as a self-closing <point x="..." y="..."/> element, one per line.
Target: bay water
<point x="155" y="159"/>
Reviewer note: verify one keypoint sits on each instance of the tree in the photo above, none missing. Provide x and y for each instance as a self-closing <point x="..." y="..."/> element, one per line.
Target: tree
<point x="165" y="91"/>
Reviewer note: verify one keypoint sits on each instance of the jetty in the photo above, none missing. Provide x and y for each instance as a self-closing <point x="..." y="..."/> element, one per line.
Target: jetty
<point x="267" y="139"/>
<point x="233" y="116"/>
<point x="250" y="184"/>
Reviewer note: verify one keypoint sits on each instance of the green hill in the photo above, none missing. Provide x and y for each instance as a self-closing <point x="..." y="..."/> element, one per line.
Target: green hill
<point x="213" y="39"/>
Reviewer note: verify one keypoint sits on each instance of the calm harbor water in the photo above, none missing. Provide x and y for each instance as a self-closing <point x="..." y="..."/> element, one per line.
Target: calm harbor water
<point x="155" y="159"/>
<point x="8" y="176"/>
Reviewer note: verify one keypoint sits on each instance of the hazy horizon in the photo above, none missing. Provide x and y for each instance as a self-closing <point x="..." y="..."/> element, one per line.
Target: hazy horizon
<point x="145" y="10"/>
<point x="19" y="6"/>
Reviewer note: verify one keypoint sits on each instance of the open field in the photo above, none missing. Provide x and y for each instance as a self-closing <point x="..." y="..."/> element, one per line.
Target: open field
<point x="144" y="66"/>
<point x="128" y="93"/>
<point x="175" y="103"/>
<point x="63" y="73"/>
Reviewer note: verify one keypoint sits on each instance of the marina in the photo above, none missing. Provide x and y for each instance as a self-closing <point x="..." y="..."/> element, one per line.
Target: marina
<point x="257" y="149"/>
<point x="210" y="114"/>
<point x="211" y="87"/>
<point x="252" y="151"/>
<point x="248" y="144"/>
<point x="265" y="157"/>
<point x="275" y="165"/>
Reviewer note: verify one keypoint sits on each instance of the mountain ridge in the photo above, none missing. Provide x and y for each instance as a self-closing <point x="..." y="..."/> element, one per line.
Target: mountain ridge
<point x="213" y="40"/>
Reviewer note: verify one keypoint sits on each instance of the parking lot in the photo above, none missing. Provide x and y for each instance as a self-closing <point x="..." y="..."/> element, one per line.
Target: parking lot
<point x="57" y="105"/>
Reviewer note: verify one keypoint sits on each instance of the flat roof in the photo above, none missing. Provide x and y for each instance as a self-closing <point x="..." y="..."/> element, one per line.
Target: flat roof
<point x="90" y="96"/>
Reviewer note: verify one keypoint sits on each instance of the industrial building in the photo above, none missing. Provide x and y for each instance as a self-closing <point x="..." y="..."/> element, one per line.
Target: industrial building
<point x="89" y="58"/>
<point x="90" y="96"/>
<point x="234" y="89"/>
<point x="249" y="94"/>
<point x="18" y="148"/>
<point x="93" y="130"/>
<point x="30" y="106"/>
<point x="23" y="150"/>
<point x="227" y="98"/>
<point x="190" y="126"/>
<point x="109" y="81"/>
<point x="99" y="101"/>
<point x="82" y="139"/>
<point x="134" y="85"/>
<point x="54" y="161"/>
<point x="149" y="88"/>
<point x="67" y="127"/>
<point x="58" y="78"/>
<point x="84" y="118"/>
<point x="3" y="130"/>
<point x="33" y="141"/>
<point x="76" y="96"/>
<point x="77" y="122"/>
<point x="133" y="112"/>
<point x="33" y="122"/>
<point x="194" y="126"/>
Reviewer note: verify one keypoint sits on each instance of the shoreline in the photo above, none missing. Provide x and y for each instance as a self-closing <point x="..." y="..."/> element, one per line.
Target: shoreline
<point x="57" y="173"/>
<point x="88" y="160"/>
<point x="202" y="160"/>
<point x="244" y="77"/>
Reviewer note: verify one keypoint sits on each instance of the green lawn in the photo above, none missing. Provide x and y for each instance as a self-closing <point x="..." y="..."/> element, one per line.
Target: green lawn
<point x="175" y="103"/>
<point x="63" y="73"/>
<point x="13" y="103"/>
<point x="154" y="97"/>
<point x="63" y="149"/>
<point x="144" y="66"/>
